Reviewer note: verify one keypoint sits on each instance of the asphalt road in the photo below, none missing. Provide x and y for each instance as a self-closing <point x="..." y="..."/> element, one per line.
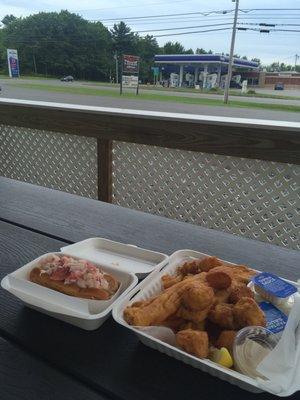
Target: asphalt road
<point x="11" y="91"/>
<point x="162" y="91"/>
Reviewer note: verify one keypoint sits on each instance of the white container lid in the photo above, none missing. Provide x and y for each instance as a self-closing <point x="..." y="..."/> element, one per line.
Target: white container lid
<point x="126" y="257"/>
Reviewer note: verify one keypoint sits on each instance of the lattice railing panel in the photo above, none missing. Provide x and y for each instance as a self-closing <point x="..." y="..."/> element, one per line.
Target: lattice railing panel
<point x="252" y="198"/>
<point x="59" y="161"/>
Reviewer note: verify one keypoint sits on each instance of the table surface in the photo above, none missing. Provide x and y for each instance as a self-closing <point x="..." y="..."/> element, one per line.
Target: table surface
<point x="43" y="358"/>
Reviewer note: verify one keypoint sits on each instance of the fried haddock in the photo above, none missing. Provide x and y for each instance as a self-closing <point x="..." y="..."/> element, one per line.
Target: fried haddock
<point x="162" y="306"/>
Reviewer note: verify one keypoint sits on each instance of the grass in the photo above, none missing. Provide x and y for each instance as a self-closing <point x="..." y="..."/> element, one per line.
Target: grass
<point x="154" y="97"/>
<point x="169" y="89"/>
<point x="220" y="92"/>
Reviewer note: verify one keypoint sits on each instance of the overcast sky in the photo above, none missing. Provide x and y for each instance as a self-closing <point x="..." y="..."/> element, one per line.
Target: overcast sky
<point x="276" y="46"/>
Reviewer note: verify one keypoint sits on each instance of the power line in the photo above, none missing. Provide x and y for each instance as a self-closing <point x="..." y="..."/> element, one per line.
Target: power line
<point x="224" y="29"/>
<point x="262" y="24"/>
<point x="203" y="13"/>
<point x="211" y="25"/>
<point x="167" y="15"/>
<point x="177" y="20"/>
<point x="185" y="27"/>
<point x="267" y="30"/>
<point x="187" y="33"/>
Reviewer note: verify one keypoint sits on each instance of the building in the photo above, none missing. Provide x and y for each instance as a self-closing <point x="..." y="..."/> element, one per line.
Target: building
<point x="206" y="70"/>
<point x="290" y="79"/>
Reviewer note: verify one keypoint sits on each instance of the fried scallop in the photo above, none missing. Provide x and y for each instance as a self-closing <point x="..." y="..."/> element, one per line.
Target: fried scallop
<point x="222" y="315"/>
<point x="198" y="296"/>
<point x="219" y="277"/>
<point x="199" y="265"/>
<point x="238" y="292"/>
<point x="246" y="312"/>
<point x="226" y="339"/>
<point x="193" y="342"/>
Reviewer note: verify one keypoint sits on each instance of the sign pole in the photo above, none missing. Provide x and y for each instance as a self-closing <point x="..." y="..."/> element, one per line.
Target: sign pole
<point x="138" y="73"/>
<point x="121" y="78"/>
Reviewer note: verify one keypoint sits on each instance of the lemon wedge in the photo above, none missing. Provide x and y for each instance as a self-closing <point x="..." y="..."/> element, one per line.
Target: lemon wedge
<point x="221" y="356"/>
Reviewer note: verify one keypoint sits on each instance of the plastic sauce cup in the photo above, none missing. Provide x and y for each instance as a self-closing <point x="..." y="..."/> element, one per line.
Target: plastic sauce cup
<point x="252" y="344"/>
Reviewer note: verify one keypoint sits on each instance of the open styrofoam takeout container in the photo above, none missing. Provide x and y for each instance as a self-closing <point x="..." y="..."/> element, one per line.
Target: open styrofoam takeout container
<point x="151" y="286"/>
<point x="126" y="262"/>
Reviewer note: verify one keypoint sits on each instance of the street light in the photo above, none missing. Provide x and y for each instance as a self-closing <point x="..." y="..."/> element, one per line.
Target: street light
<point x="230" y="63"/>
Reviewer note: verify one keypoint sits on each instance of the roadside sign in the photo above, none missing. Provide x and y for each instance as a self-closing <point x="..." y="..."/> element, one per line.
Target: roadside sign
<point x="130" y="65"/>
<point x="13" y="63"/>
<point x="130" y="81"/>
<point x="155" y="71"/>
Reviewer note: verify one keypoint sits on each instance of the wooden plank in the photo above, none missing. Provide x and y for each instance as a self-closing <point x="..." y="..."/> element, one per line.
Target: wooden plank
<point x="265" y="140"/>
<point x="25" y="377"/>
<point x="57" y="213"/>
<point x="104" y="158"/>
<point x="110" y="360"/>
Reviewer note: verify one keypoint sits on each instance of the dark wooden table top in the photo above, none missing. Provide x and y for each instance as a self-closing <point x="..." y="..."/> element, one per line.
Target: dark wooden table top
<point x="43" y="358"/>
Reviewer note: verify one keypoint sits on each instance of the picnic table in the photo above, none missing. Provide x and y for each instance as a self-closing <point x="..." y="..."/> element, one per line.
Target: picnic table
<point x="43" y="358"/>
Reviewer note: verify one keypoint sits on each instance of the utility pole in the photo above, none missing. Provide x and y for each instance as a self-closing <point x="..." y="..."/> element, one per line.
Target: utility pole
<point x="34" y="63"/>
<point x="117" y="67"/>
<point x="230" y="63"/>
<point x="296" y="59"/>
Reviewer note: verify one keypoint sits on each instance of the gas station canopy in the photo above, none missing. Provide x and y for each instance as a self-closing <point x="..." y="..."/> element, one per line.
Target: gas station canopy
<point x="201" y="70"/>
<point x="202" y="59"/>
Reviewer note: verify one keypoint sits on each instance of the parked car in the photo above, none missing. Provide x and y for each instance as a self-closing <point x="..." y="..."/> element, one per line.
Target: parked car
<point x="68" y="78"/>
<point x="279" y="86"/>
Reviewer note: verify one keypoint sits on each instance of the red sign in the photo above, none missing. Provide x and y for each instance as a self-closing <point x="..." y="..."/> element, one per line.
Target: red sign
<point x="131" y="64"/>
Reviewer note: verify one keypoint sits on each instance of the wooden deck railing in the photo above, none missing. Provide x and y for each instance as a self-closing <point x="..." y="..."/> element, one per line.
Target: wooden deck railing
<point x="259" y="139"/>
<point x="237" y="137"/>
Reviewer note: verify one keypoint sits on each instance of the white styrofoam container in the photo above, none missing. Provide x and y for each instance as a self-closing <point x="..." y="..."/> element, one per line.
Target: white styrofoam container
<point x="125" y="262"/>
<point x="151" y="286"/>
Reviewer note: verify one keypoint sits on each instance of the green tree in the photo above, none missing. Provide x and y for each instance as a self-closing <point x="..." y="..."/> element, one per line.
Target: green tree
<point x="200" y="51"/>
<point x="123" y="40"/>
<point x="8" y="19"/>
<point x="257" y="60"/>
<point x="173" y="48"/>
<point x="3" y="60"/>
<point x="60" y="44"/>
<point x="147" y="47"/>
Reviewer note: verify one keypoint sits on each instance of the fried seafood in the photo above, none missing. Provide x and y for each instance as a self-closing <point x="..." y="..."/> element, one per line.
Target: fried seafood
<point x="247" y="312"/>
<point x="193" y="342"/>
<point x="242" y="274"/>
<point x="168" y="280"/>
<point x="222" y="296"/>
<point x="197" y="326"/>
<point x="193" y="315"/>
<point x="222" y="315"/>
<point x="239" y="292"/>
<point x="226" y="339"/>
<point x="219" y="277"/>
<point x="205" y="302"/>
<point x="202" y="265"/>
<point x="198" y="296"/>
<point x="160" y="307"/>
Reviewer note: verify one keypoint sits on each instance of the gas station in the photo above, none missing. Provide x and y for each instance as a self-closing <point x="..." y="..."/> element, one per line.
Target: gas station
<point x="200" y="70"/>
